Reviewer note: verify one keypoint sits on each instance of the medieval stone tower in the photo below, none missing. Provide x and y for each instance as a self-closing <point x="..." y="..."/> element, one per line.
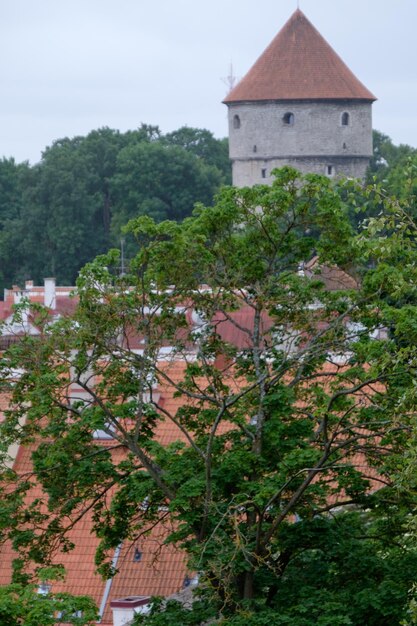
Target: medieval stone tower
<point x="299" y="105"/>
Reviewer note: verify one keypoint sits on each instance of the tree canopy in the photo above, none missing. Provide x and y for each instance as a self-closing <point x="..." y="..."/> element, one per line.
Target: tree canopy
<point x="62" y="212"/>
<point x="294" y="416"/>
<point x="387" y="156"/>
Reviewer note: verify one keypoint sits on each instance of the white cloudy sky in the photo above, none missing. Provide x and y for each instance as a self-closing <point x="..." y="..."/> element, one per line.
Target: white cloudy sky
<point x="69" y="66"/>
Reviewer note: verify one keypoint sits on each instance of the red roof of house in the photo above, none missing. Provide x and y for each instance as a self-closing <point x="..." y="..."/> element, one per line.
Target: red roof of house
<point x="333" y="278"/>
<point x="299" y="64"/>
<point x="161" y="570"/>
<point x="237" y="327"/>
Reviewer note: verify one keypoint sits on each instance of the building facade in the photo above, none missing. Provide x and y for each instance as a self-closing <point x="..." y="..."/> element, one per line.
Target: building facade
<point x="299" y="105"/>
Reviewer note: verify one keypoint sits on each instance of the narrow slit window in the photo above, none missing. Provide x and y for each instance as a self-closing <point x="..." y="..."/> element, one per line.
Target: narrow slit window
<point x="330" y="170"/>
<point x="345" y="119"/>
<point x="263" y="172"/>
<point x="288" y="119"/>
<point x="236" y="121"/>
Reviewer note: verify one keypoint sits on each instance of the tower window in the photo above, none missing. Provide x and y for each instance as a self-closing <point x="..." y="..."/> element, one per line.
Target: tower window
<point x="330" y="170"/>
<point x="263" y="172"/>
<point x="236" y="121"/>
<point x="288" y="119"/>
<point x="345" y="119"/>
<point x="255" y="149"/>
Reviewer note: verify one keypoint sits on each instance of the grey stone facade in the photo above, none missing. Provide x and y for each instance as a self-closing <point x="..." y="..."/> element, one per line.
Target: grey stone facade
<point x="325" y="137"/>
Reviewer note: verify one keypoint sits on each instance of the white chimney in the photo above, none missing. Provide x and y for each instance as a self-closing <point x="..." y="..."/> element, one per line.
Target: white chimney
<point x="18" y="297"/>
<point x="124" y="609"/>
<point x="49" y="298"/>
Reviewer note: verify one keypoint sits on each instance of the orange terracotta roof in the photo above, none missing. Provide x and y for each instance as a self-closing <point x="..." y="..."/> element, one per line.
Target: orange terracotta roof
<point x="299" y="64"/>
<point x="135" y="577"/>
<point x="334" y="278"/>
<point x="237" y="327"/>
<point x="161" y="569"/>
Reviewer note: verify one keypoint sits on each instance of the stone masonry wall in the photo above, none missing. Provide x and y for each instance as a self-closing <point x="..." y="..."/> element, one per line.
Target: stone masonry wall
<point x="315" y="138"/>
<point x="258" y="171"/>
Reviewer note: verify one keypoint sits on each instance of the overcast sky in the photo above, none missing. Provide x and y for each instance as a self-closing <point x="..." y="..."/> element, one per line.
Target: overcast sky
<point x="70" y="66"/>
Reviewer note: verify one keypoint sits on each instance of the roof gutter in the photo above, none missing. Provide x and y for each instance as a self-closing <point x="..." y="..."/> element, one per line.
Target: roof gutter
<point x="109" y="582"/>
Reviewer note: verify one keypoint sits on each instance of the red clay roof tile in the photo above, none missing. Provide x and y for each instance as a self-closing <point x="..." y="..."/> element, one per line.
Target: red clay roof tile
<point x="299" y="64"/>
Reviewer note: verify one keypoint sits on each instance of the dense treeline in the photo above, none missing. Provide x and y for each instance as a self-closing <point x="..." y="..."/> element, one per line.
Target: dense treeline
<point x="60" y="213"/>
<point x="389" y="161"/>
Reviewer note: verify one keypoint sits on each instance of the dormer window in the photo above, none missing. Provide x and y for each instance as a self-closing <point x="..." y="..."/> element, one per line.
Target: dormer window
<point x="44" y="589"/>
<point x="137" y="555"/>
<point x="288" y="119"/>
<point x="345" y="119"/>
<point x="236" y="121"/>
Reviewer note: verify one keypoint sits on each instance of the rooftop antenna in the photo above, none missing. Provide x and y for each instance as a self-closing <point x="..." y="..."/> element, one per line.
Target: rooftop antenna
<point x="230" y="80"/>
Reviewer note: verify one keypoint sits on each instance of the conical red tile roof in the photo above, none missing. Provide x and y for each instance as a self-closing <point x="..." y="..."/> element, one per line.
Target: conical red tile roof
<point x="299" y="64"/>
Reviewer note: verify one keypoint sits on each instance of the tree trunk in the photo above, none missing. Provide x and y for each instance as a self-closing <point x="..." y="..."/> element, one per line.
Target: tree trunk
<point x="248" y="588"/>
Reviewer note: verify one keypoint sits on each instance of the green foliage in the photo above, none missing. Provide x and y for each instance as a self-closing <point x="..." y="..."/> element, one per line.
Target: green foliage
<point x="294" y="422"/>
<point x="70" y="207"/>
<point x="162" y="181"/>
<point x="14" y="178"/>
<point x="202" y="144"/>
<point x="23" y="604"/>
<point x="173" y="612"/>
<point x="386" y="157"/>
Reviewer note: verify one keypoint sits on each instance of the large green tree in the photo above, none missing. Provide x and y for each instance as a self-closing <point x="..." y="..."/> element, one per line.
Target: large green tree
<point x="162" y="181"/>
<point x="63" y="211"/>
<point x="295" y="409"/>
<point x="14" y="179"/>
<point x="66" y="216"/>
<point x="386" y="156"/>
<point x="204" y="145"/>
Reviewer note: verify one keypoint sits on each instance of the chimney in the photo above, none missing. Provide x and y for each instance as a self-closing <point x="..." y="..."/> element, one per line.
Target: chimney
<point x="49" y="293"/>
<point x="124" y="609"/>
<point x="18" y="296"/>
